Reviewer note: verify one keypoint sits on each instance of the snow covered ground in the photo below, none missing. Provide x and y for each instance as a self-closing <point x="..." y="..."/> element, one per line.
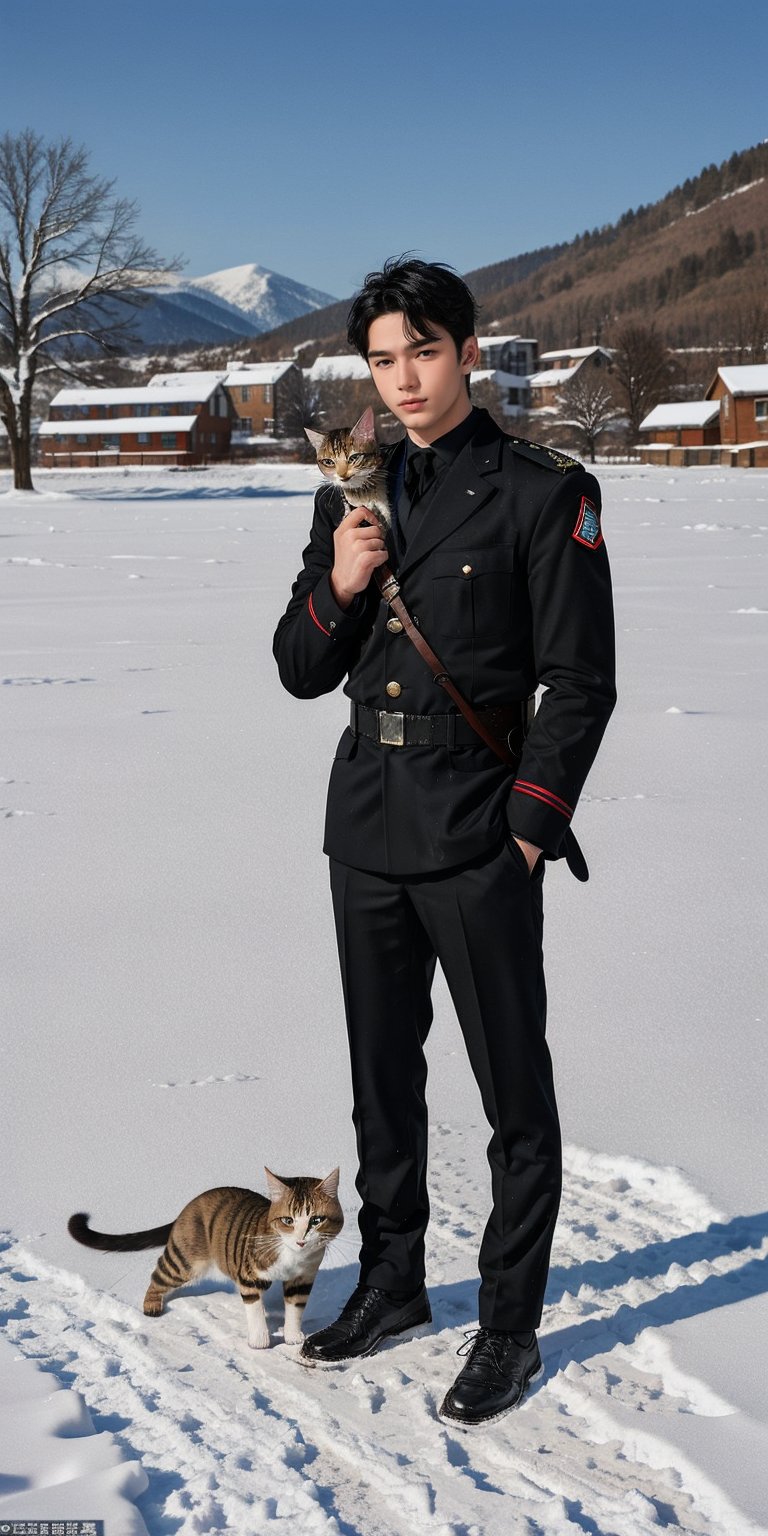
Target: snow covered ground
<point x="172" y="1021"/>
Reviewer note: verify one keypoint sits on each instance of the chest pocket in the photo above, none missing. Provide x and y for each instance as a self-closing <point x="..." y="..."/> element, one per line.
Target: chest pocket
<point x="472" y="591"/>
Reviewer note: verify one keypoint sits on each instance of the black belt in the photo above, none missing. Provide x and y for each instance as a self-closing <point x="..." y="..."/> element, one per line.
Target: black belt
<point x="507" y="722"/>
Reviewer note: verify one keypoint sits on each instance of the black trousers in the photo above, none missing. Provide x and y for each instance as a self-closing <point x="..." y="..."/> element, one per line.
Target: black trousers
<point x="483" y="922"/>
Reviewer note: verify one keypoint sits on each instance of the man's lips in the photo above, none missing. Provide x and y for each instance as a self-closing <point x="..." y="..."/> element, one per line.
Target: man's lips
<point x="412" y="403"/>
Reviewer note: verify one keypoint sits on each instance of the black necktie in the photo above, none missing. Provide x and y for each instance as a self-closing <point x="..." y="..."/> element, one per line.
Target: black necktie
<point x="420" y="474"/>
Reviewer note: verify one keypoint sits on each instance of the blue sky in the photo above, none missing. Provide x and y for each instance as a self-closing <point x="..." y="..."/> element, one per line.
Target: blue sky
<point x="317" y="139"/>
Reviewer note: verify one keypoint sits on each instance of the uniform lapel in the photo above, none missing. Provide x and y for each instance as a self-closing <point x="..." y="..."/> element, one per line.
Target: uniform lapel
<point x="465" y="489"/>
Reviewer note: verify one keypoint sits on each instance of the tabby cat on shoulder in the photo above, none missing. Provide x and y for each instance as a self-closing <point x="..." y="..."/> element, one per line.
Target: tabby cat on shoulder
<point x="351" y="459"/>
<point x="251" y="1239"/>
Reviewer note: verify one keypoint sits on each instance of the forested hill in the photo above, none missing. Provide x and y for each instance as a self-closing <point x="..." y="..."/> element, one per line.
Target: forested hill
<point x="695" y="263"/>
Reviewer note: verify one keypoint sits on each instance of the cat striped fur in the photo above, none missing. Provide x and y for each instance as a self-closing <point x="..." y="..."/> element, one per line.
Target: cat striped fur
<point x="252" y="1239"/>
<point x="351" y="459"/>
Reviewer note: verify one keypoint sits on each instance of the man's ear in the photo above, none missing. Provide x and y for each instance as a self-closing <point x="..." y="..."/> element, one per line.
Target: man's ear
<point x="470" y="354"/>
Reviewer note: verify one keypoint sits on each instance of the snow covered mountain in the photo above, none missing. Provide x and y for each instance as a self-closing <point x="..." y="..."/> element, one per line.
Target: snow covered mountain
<point x="266" y="297"/>
<point x="223" y="306"/>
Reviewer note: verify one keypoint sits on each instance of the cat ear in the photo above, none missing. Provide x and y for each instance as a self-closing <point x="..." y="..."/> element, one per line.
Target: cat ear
<point x="330" y="1185"/>
<point x="316" y="438"/>
<point x="277" y="1189"/>
<point x="364" y="430"/>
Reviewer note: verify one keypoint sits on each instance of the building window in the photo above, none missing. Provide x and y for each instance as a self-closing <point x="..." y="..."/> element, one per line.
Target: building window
<point x="269" y="424"/>
<point x="245" y="394"/>
<point x="214" y="438"/>
<point x="761" y="410"/>
<point x="143" y="437"/>
<point x="168" y="439"/>
<point x="141" y="410"/>
<point x="267" y="394"/>
<point x="111" y="443"/>
<point x="82" y="437"/>
<point x="246" y="423"/>
<point x="726" y="406"/>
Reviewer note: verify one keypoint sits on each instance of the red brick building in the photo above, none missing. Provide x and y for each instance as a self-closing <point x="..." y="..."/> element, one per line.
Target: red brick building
<point x="729" y="427"/>
<point x="681" y="424"/>
<point x="266" y="399"/>
<point x="742" y="396"/>
<point x="187" y="423"/>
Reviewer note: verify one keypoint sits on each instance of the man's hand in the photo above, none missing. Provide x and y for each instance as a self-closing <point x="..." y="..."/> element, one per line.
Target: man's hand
<point x="357" y="552"/>
<point x="530" y="850"/>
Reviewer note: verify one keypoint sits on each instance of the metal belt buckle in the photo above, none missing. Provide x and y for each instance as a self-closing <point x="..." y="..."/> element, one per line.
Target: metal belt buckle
<point x="391" y="729"/>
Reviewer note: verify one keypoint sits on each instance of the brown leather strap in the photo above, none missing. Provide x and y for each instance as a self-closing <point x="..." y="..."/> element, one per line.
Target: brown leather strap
<point x="390" y="590"/>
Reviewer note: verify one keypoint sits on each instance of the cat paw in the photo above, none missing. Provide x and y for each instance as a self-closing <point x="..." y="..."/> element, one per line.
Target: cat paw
<point x="293" y="1338"/>
<point x="258" y="1340"/>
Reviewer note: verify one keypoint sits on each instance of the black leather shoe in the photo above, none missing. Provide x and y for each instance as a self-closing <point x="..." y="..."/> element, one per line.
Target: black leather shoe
<point x="499" y="1368"/>
<point x="369" y="1317"/>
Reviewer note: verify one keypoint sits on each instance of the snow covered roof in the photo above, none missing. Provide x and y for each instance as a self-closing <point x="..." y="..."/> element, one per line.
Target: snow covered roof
<point x="119" y="424"/>
<point x="346" y="366"/>
<point x="140" y="394"/>
<point x="681" y="413"/>
<point x="550" y="377"/>
<point x="205" y="382"/>
<point x="746" y="379"/>
<point x="549" y="357"/>
<point x="259" y="373"/>
<point x="504" y="380"/>
<point x="496" y="341"/>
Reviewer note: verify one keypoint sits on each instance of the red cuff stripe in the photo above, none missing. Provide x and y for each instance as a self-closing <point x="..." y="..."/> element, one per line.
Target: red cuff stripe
<point x="315" y="619"/>
<point x="537" y="792"/>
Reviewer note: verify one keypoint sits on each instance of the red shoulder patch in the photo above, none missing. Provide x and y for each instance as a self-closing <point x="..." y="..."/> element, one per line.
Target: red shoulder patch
<point x="588" y="530"/>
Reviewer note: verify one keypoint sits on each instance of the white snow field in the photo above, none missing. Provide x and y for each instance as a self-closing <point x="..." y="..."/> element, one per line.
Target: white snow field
<point x="172" y="1020"/>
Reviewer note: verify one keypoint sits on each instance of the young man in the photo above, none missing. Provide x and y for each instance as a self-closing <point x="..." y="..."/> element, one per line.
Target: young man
<point x="437" y="848"/>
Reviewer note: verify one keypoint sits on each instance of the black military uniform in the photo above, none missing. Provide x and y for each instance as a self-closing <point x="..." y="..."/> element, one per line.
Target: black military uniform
<point x="502" y="563"/>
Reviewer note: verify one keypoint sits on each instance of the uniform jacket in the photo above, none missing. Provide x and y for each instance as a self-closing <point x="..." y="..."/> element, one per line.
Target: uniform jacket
<point x="507" y="575"/>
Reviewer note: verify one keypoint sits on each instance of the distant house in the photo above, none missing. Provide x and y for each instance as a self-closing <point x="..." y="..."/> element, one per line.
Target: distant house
<point x="559" y="367"/>
<point x="345" y="365"/>
<point x="511" y="354"/>
<point x="513" y="388"/>
<point x="682" y="424"/>
<point x="742" y="395"/>
<point x="266" y="398"/>
<point x="729" y="427"/>
<point x="187" y="422"/>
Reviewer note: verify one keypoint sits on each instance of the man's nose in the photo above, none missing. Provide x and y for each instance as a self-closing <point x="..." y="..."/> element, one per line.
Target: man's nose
<point x="407" y="374"/>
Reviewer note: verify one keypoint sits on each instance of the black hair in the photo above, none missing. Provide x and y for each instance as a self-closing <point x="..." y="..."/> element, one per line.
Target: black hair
<point x="427" y="293"/>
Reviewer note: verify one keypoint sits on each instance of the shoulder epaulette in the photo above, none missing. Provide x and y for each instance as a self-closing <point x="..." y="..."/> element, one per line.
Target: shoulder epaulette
<point x="548" y="458"/>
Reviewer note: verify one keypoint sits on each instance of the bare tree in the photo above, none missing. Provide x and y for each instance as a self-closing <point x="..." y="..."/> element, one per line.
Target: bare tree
<point x="643" y="370"/>
<point x="72" y="270"/>
<point x="586" y="405"/>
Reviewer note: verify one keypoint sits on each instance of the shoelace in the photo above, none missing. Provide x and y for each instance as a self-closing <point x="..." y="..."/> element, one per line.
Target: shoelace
<point x="486" y="1349"/>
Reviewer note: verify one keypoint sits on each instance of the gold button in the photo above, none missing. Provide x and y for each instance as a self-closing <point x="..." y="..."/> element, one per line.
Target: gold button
<point x="466" y="570"/>
<point x="394" y="626"/>
<point x="394" y="690"/>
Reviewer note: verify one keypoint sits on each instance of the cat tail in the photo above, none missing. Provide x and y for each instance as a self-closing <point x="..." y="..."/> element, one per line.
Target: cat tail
<point x="117" y="1242"/>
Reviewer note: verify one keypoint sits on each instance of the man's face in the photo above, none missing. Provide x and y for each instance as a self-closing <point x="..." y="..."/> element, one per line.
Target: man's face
<point x="423" y="383"/>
